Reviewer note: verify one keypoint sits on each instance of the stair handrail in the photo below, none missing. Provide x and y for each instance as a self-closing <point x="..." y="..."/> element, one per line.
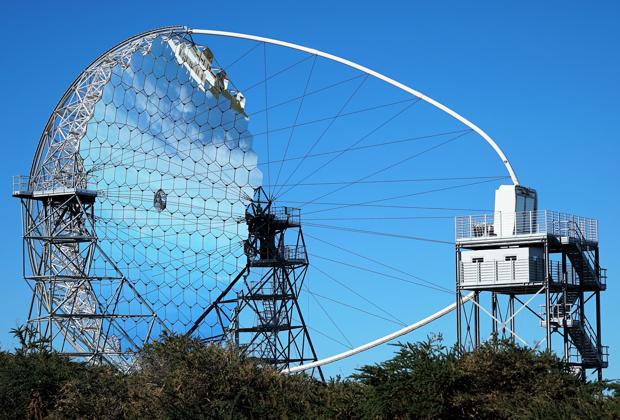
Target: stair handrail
<point x="590" y="261"/>
<point x="589" y="330"/>
<point x="591" y="334"/>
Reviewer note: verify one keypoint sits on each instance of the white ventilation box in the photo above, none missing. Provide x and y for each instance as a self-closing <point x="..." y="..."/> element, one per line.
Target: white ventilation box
<point x="515" y="210"/>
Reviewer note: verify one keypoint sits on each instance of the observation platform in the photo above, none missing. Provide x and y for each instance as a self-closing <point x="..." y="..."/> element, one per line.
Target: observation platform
<point x="52" y="187"/>
<point x="273" y="218"/>
<point x="505" y="252"/>
<point x="287" y="215"/>
<point x="288" y="255"/>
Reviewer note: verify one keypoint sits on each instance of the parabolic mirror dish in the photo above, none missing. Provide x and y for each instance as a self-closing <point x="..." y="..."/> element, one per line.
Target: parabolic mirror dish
<point x="164" y="142"/>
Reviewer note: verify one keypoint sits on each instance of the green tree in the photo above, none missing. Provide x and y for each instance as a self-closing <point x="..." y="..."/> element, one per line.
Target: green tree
<point x="181" y="377"/>
<point x="499" y="380"/>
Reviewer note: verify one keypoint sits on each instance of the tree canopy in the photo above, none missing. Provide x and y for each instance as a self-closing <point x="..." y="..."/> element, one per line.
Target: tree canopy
<point x="180" y="377"/>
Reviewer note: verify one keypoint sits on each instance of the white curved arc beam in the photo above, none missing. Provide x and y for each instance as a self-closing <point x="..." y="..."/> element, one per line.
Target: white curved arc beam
<point x="378" y="341"/>
<point x="373" y="73"/>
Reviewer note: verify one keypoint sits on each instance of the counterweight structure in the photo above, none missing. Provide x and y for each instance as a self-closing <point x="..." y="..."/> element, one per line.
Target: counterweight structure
<point x="520" y="256"/>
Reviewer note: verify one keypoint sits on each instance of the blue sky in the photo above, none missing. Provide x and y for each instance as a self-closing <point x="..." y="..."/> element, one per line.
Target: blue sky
<point x="541" y="79"/>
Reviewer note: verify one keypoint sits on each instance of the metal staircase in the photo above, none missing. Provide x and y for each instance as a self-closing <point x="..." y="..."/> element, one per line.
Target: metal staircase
<point x="581" y="336"/>
<point x="580" y="256"/>
<point x="585" y="352"/>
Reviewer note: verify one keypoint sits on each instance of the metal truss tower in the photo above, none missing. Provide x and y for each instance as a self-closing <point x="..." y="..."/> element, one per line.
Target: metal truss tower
<point x="80" y="298"/>
<point x="263" y="317"/>
<point x="510" y="262"/>
<point x="74" y="310"/>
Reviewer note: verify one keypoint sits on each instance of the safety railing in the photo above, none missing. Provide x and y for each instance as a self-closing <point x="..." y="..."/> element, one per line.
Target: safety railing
<point x="520" y="271"/>
<point x="503" y="225"/>
<point x="589" y="337"/>
<point x="583" y="348"/>
<point x="287" y="253"/>
<point x="591" y="263"/>
<point x="575" y="356"/>
<point x="294" y="253"/>
<point x="556" y="273"/>
<point x="55" y="182"/>
<point x="287" y="214"/>
<point x="525" y="271"/>
<point x="589" y="330"/>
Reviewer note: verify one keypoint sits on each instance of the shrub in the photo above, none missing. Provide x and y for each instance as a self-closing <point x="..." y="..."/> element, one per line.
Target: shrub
<point x="180" y="377"/>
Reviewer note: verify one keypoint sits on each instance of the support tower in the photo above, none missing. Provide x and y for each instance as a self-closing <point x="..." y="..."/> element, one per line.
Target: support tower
<point x="76" y="308"/>
<point x="259" y="310"/>
<point x="519" y="257"/>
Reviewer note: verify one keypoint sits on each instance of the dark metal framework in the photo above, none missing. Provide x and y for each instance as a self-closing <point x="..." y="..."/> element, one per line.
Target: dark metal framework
<point x="570" y="287"/>
<point x="259" y="310"/>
